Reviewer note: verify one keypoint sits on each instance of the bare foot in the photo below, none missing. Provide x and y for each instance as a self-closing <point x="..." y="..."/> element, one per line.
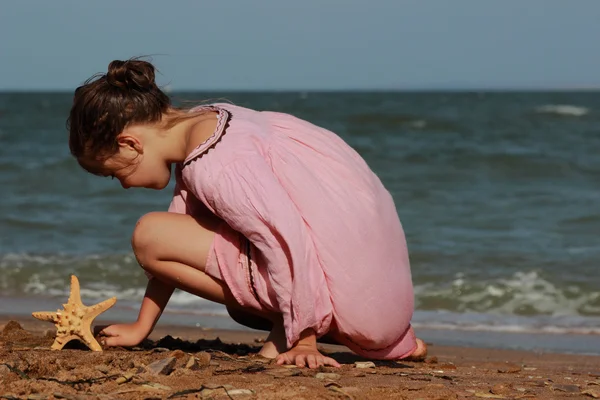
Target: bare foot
<point x="420" y="352"/>
<point x="275" y="343"/>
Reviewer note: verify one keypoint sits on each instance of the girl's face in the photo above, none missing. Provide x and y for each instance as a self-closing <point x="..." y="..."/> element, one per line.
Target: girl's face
<point x="138" y="163"/>
<point x="141" y="170"/>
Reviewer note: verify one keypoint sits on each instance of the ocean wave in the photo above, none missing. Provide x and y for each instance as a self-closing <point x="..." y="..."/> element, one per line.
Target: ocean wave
<point x="54" y="163"/>
<point x="563" y="110"/>
<point x="100" y="276"/>
<point x="523" y="302"/>
<point x="48" y="274"/>
<point x="550" y="329"/>
<point x="397" y="120"/>
<point x="489" y="322"/>
<point x="524" y="293"/>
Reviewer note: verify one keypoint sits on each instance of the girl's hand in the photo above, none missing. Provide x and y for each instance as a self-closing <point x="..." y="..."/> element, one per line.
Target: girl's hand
<point x="125" y="335"/>
<point x="306" y="355"/>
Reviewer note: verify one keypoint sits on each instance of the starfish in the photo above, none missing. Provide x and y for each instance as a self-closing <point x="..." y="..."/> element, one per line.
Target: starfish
<point x="75" y="320"/>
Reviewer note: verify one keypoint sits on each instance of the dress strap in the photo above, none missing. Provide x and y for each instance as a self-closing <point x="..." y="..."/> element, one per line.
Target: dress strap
<point x="222" y="119"/>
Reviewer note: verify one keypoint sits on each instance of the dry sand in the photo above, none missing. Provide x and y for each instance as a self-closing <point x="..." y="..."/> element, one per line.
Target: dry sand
<point x="189" y="363"/>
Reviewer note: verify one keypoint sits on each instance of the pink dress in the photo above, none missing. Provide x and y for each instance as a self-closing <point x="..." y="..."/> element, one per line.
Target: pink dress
<point x="309" y="230"/>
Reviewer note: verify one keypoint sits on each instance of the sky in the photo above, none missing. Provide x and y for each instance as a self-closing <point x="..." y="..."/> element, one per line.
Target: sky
<point x="306" y="44"/>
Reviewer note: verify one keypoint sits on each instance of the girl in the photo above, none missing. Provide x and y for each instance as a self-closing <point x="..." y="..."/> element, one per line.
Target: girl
<point x="276" y="218"/>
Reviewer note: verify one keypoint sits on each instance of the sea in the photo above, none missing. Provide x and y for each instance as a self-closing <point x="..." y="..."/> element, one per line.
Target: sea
<point x="498" y="193"/>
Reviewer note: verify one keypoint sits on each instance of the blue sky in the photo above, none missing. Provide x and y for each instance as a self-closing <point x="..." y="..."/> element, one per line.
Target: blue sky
<point x="306" y="44"/>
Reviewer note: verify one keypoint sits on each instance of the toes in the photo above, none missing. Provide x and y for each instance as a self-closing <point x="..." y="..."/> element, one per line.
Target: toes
<point x="420" y="352"/>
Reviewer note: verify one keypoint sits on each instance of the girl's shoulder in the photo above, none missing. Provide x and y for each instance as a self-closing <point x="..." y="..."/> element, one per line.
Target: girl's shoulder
<point x="223" y="117"/>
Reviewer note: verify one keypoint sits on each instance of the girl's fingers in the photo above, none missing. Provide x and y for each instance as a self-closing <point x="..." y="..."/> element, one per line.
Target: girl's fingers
<point x="310" y="361"/>
<point x="283" y="359"/>
<point x="301" y="360"/>
<point x="108" y="341"/>
<point x="320" y="361"/>
<point x="98" y="329"/>
<point x="107" y="331"/>
<point x="330" y="361"/>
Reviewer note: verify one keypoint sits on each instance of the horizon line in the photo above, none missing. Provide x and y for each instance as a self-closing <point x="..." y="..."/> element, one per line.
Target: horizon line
<point x="339" y="90"/>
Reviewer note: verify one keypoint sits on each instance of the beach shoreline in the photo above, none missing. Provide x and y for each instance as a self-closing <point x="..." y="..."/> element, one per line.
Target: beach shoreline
<point x="448" y="372"/>
<point x="482" y="332"/>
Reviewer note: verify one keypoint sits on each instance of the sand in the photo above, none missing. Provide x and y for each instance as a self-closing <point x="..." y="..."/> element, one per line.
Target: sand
<point x="188" y="363"/>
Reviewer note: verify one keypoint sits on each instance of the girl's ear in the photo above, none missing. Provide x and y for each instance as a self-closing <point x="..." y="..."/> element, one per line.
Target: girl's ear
<point x="130" y="142"/>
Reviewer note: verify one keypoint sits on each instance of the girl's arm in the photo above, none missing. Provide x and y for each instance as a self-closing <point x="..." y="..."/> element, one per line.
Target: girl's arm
<point x="155" y="300"/>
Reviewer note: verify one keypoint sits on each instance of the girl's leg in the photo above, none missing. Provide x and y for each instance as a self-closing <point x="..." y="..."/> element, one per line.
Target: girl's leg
<point x="174" y="248"/>
<point x="275" y="342"/>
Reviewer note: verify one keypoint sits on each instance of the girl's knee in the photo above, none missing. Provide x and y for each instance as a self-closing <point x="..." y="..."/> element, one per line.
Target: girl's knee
<point x="171" y="237"/>
<point x="145" y="239"/>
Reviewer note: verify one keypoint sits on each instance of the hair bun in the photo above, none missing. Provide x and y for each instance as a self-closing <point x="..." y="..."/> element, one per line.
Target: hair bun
<point x="131" y="74"/>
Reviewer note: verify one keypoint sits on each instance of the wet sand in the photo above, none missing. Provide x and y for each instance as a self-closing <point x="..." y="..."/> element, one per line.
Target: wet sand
<point x="186" y="363"/>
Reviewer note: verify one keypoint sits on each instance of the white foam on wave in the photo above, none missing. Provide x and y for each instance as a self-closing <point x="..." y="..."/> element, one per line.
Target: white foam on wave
<point x="418" y="124"/>
<point x="558" y="330"/>
<point x="549" y="329"/>
<point x="484" y="322"/>
<point x="523" y="293"/>
<point x="563" y="109"/>
<point x="58" y="288"/>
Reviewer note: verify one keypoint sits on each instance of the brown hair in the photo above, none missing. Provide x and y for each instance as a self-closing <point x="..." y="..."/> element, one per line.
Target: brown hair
<point x="107" y="103"/>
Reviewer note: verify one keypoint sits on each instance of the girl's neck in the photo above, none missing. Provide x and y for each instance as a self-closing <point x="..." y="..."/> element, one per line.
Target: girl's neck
<point x="183" y="132"/>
